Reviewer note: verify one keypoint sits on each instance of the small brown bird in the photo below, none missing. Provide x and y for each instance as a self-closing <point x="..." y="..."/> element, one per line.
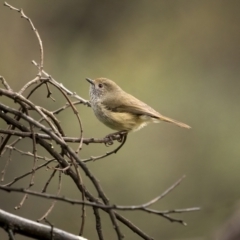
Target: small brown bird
<point x="120" y="110"/>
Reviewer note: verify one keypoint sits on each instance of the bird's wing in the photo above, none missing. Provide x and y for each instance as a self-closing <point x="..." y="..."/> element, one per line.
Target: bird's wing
<point x="130" y="104"/>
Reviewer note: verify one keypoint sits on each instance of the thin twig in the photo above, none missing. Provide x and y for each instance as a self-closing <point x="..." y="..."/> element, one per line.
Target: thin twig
<point x="11" y="146"/>
<point x="10" y="234"/>
<point x="35" y="31"/>
<point x="28" y="173"/>
<point x="27" y="153"/>
<point x="53" y="202"/>
<point x="34" y="151"/>
<point x="156" y="199"/>
<point x="52" y="228"/>
<point x="11" y="127"/>
<point x="66" y="139"/>
<point x="49" y="95"/>
<point x="74" y="111"/>
<point x="49" y="180"/>
<point x="100" y="205"/>
<point x="31" y="183"/>
<point x="98" y="223"/>
<point x="68" y="92"/>
<point x="67" y="105"/>
<point x="54" y="119"/>
<point x="93" y="158"/>
<point x="5" y="84"/>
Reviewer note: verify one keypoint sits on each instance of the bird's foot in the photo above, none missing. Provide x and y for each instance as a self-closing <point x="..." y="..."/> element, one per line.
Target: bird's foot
<point x="113" y="136"/>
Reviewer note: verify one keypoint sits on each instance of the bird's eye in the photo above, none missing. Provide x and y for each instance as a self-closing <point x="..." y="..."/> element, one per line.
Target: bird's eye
<point x="100" y="85"/>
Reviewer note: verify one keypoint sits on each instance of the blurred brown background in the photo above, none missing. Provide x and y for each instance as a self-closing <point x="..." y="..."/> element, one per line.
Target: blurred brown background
<point x="182" y="58"/>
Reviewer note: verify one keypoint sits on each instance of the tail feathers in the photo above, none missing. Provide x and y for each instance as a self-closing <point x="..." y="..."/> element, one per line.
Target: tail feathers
<point x="180" y="124"/>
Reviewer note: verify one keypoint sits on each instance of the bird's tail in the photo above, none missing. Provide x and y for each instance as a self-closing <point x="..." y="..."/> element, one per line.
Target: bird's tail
<point x="180" y="124"/>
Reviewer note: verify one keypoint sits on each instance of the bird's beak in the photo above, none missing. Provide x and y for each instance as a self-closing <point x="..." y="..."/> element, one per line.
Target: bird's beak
<point x="90" y="81"/>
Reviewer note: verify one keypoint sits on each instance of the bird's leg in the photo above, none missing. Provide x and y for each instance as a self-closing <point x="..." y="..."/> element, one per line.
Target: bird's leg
<point x="123" y="136"/>
<point x="111" y="136"/>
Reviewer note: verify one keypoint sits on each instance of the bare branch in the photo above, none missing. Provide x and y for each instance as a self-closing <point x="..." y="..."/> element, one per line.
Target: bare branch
<point x="141" y="207"/>
<point x="28" y="173"/>
<point x="66" y="139"/>
<point x="33" y="229"/>
<point x="58" y="192"/>
<point x="68" y="92"/>
<point x="35" y="31"/>
<point x="5" y="84"/>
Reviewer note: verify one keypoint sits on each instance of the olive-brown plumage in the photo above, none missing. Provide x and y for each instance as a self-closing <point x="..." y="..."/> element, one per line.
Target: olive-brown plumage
<point x="120" y="110"/>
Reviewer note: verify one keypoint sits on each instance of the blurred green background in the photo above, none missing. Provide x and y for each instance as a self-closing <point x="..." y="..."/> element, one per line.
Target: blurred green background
<point x="180" y="57"/>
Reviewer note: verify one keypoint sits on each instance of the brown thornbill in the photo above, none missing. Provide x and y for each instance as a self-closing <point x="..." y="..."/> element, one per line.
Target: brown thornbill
<point x="120" y="110"/>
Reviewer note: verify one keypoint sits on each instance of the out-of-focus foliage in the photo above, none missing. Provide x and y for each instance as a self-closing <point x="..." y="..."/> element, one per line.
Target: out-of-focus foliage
<point x="182" y="58"/>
